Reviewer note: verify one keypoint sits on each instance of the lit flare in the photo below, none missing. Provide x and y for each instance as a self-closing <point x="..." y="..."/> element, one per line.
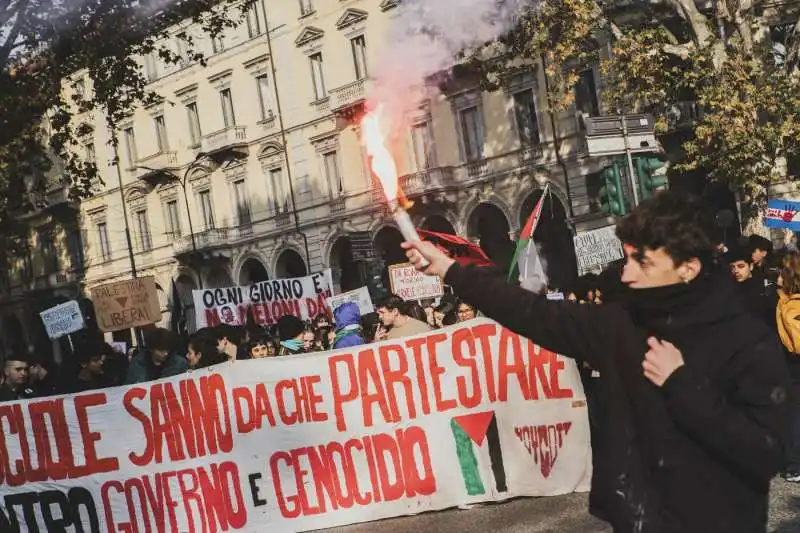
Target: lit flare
<point x="381" y="160"/>
<point x="385" y="169"/>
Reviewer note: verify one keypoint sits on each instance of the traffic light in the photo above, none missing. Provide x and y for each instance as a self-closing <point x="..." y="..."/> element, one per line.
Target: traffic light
<point x="649" y="183"/>
<point x="612" y="195"/>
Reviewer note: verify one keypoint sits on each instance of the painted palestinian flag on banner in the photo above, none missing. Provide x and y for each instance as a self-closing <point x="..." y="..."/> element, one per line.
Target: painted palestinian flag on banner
<point x="475" y="435"/>
<point x="526" y="257"/>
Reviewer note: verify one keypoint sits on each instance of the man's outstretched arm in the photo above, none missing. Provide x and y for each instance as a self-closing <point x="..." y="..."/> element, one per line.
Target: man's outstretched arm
<point x="569" y="329"/>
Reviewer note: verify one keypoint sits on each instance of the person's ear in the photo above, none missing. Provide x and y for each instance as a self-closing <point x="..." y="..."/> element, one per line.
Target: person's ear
<point x="689" y="270"/>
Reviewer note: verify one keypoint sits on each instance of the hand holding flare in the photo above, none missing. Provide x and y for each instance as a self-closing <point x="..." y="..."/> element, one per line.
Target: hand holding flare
<point x="384" y="167"/>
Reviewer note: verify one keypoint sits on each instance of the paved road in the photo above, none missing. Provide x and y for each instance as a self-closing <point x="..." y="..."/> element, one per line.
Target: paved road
<point x="562" y="514"/>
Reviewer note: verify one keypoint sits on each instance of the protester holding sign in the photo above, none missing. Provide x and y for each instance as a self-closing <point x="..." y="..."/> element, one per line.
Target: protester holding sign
<point x="694" y="410"/>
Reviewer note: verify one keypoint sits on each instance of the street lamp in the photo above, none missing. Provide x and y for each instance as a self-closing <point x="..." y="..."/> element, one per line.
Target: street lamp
<point x="171" y="173"/>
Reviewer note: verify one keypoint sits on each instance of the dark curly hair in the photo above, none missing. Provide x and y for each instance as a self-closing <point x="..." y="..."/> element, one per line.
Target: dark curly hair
<point x="679" y="223"/>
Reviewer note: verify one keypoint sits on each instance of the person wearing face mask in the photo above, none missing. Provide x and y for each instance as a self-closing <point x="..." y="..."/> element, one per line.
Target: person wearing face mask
<point x="290" y="332"/>
<point x="694" y="409"/>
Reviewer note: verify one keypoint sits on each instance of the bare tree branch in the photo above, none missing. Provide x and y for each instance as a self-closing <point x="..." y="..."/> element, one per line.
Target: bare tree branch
<point x="698" y="22"/>
<point x="13" y="34"/>
<point x="793" y="49"/>
<point x="743" y="28"/>
<point x="682" y="51"/>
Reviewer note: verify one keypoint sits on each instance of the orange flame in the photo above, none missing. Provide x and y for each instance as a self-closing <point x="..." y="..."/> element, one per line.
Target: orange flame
<point x="381" y="160"/>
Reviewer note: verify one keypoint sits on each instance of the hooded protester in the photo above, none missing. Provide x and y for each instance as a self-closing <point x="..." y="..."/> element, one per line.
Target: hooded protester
<point x="348" y="326"/>
<point x="693" y="411"/>
<point x="290" y="332"/>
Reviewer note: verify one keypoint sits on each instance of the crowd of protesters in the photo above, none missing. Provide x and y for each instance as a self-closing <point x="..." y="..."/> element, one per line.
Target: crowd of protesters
<point x="98" y="365"/>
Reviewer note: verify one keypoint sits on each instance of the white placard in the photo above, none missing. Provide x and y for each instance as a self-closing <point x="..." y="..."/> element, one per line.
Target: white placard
<point x="360" y="296"/>
<point x="62" y="319"/>
<point x="597" y="248"/>
<point x="410" y="284"/>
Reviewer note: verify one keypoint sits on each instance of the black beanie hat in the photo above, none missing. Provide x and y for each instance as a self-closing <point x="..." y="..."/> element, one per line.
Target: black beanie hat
<point x="289" y="327"/>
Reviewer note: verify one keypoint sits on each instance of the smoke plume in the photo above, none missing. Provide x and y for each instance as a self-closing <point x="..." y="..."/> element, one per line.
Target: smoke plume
<point x="425" y="39"/>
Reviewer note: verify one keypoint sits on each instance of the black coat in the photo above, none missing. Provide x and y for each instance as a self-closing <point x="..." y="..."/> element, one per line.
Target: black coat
<point x="695" y="455"/>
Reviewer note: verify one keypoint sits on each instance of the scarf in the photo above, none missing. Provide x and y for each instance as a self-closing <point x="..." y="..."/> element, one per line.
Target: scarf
<point x="345" y="331"/>
<point x="293" y="345"/>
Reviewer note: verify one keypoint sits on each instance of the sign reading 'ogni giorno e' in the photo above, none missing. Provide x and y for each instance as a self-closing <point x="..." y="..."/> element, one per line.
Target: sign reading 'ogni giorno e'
<point x="468" y="414"/>
<point x="266" y="301"/>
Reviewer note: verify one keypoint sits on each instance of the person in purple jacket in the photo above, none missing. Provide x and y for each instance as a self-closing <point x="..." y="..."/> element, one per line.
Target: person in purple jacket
<point x="348" y="326"/>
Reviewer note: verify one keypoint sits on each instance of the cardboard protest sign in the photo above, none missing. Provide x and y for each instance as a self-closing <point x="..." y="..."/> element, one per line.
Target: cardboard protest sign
<point x="409" y="284"/>
<point x="267" y="301"/>
<point x="597" y="248"/>
<point x="360" y="296"/>
<point x="126" y="304"/>
<point x="62" y="319"/>
<point x="464" y="415"/>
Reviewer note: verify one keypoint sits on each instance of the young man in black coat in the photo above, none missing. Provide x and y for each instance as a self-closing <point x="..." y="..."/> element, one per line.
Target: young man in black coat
<point x="693" y="394"/>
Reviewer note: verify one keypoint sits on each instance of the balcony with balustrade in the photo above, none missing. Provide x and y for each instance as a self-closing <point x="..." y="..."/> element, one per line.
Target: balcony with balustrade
<point x="225" y="141"/>
<point x="348" y="98"/>
<point x="202" y="243"/>
<point x="426" y="180"/>
<point x="152" y="167"/>
<point x="524" y="158"/>
<point x="338" y="205"/>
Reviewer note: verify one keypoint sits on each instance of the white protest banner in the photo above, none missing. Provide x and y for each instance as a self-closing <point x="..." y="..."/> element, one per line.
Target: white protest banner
<point x="360" y="296"/>
<point x="409" y="284"/>
<point x="597" y="248"/>
<point x="62" y="319"/>
<point x="468" y="414"/>
<point x="267" y="301"/>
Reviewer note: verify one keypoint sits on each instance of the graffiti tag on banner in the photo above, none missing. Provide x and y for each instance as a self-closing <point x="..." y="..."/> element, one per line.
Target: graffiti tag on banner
<point x="409" y="284"/>
<point x="463" y="415"/>
<point x="126" y="304"/>
<point x="597" y="248"/>
<point x="62" y="319"/>
<point x="360" y="296"/>
<point x="267" y="301"/>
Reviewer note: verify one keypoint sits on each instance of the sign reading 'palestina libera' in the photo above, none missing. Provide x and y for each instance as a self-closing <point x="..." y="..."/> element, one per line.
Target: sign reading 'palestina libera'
<point x="468" y="414"/>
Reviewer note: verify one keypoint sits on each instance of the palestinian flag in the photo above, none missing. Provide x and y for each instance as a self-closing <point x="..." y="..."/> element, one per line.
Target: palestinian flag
<point x="526" y="257"/>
